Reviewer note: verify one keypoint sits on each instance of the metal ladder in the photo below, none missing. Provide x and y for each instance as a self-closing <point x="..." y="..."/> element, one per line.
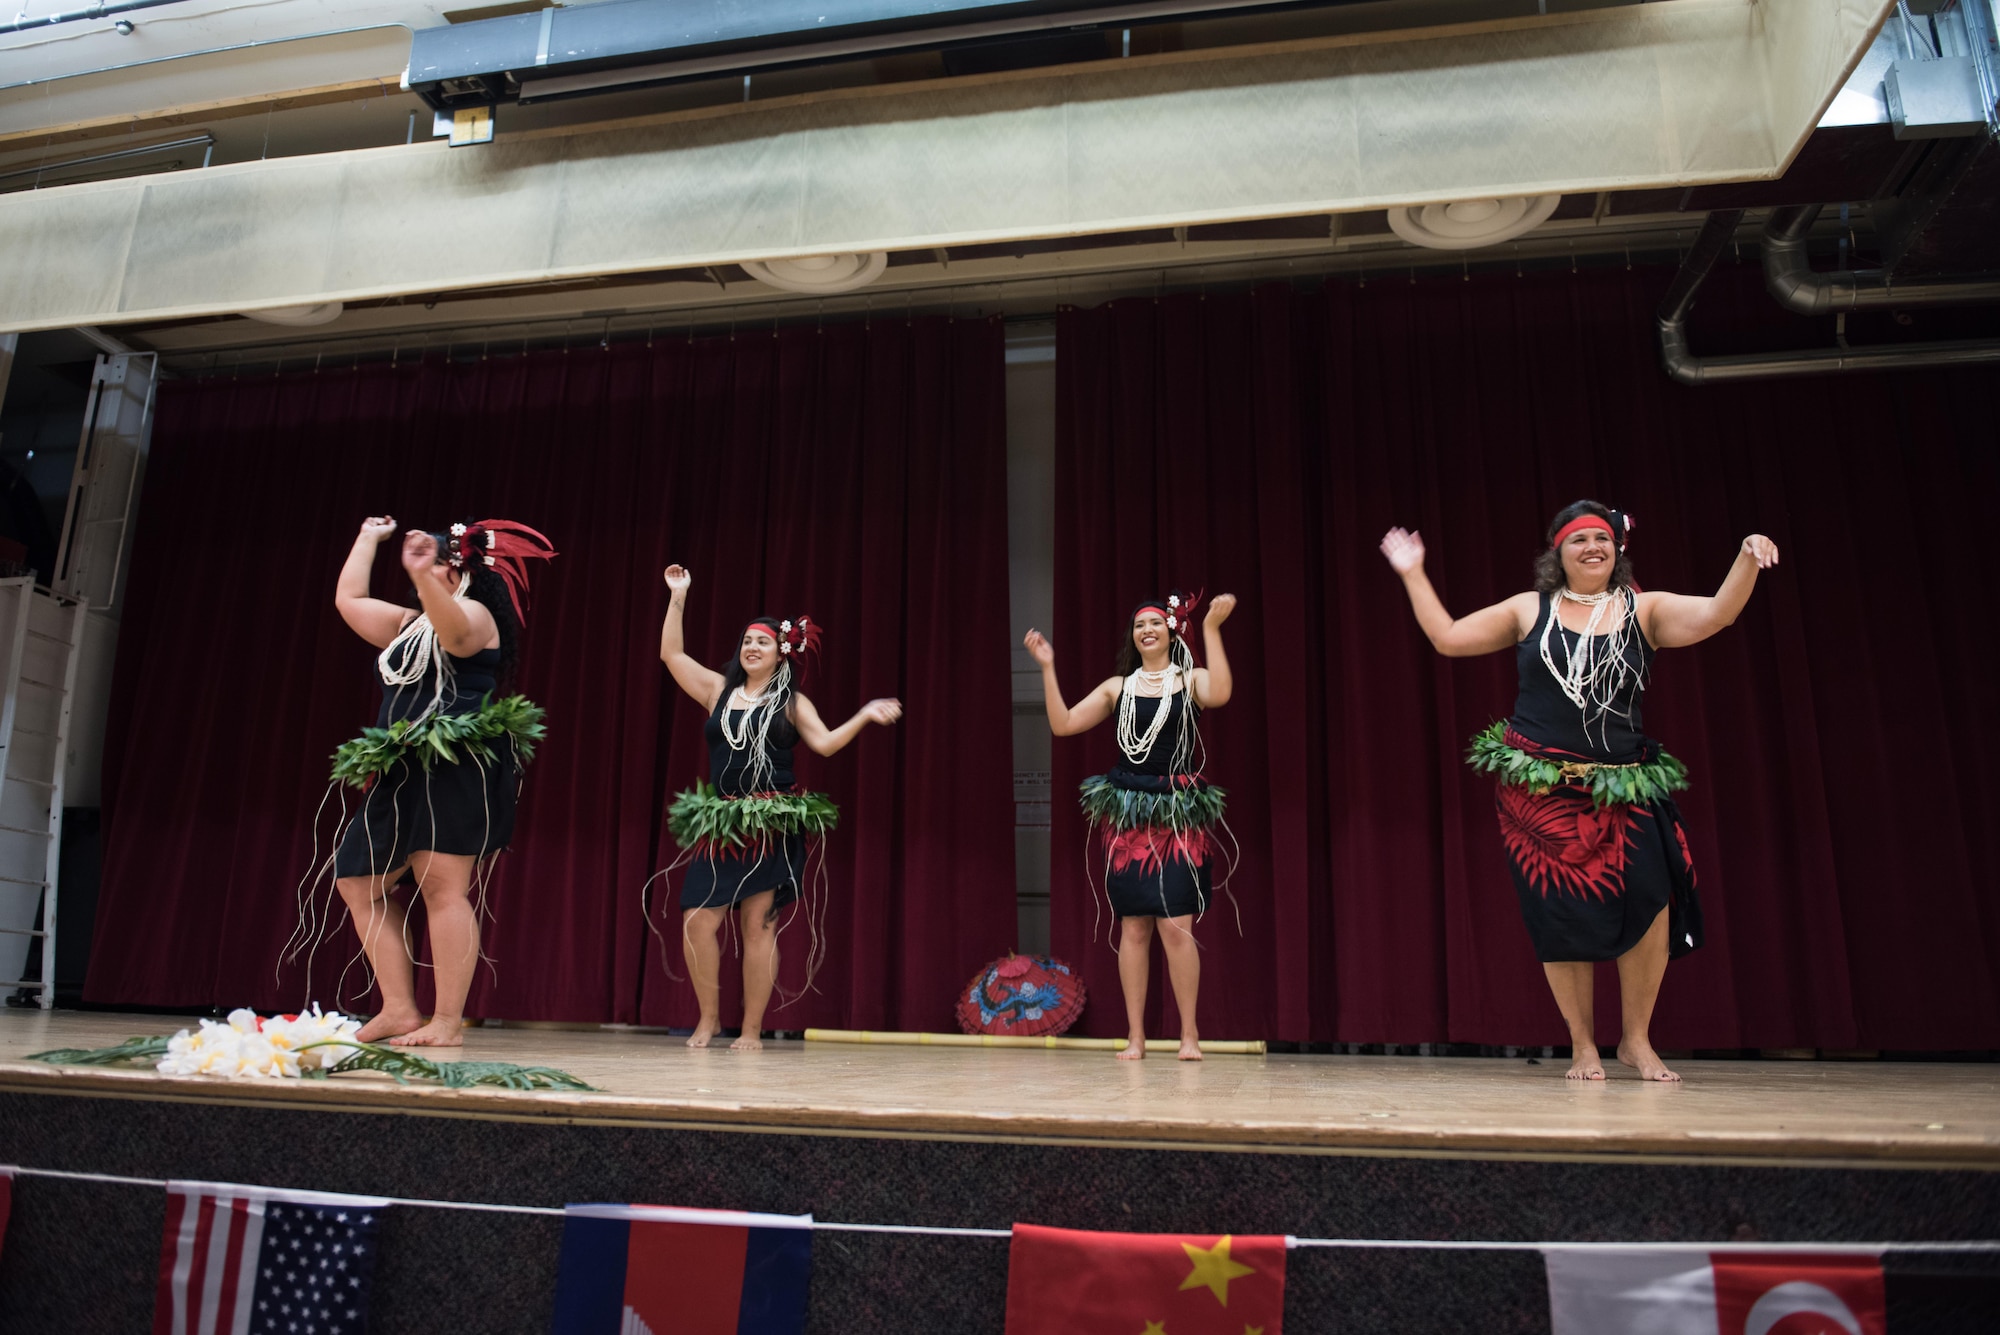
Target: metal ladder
<point x="41" y="636"/>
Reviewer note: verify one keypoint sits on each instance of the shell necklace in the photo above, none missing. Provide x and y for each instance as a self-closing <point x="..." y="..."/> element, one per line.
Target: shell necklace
<point x="738" y="738"/>
<point x="1135" y="744"/>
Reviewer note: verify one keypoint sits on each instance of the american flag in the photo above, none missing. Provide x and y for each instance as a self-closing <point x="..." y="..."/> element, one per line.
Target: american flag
<point x="251" y="1260"/>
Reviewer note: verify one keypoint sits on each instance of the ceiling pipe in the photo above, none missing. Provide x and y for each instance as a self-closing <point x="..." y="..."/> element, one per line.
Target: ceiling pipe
<point x="100" y="11"/>
<point x="1685" y="368"/>
<point x="1791" y="279"/>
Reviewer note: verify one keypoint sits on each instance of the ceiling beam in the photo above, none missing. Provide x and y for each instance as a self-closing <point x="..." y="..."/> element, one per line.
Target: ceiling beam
<point x="1680" y="93"/>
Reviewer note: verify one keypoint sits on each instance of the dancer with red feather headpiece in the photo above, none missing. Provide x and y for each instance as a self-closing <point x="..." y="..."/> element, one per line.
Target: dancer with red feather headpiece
<point x="1594" y="840"/>
<point x="744" y="835"/>
<point x="441" y="767"/>
<point x="1154" y="811"/>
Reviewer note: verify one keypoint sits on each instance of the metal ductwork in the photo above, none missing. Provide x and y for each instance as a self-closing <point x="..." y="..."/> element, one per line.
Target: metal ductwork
<point x="1791" y="279"/>
<point x="1683" y="366"/>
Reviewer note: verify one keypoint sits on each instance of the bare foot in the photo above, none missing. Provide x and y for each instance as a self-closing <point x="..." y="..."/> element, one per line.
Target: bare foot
<point x="390" y="1024"/>
<point x="1134" y="1049"/>
<point x="752" y="1041"/>
<point x="1637" y="1052"/>
<point x="702" y="1033"/>
<point x="439" y="1033"/>
<point x="1584" y="1064"/>
<point x="1190" y="1048"/>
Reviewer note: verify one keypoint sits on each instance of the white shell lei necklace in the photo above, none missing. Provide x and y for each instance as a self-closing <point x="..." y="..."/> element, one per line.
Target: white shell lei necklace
<point x="1136" y="745"/>
<point x="1598" y="667"/>
<point x="415" y="654"/>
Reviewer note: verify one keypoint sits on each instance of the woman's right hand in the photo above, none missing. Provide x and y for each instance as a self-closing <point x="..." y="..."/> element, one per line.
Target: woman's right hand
<point x="678" y="578"/>
<point x="1405" y="550"/>
<point x="377" y="527"/>
<point x="1039" y="648"/>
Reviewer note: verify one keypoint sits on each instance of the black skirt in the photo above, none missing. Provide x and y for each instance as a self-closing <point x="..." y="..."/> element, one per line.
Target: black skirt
<point x="462" y="807"/>
<point x="1175" y="888"/>
<point x="1592" y="880"/>
<point x="725" y="880"/>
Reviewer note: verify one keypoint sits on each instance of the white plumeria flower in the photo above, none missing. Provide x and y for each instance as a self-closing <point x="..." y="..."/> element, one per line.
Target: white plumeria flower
<point x="785" y="626"/>
<point x="243" y="1020"/>
<point x="458" y="530"/>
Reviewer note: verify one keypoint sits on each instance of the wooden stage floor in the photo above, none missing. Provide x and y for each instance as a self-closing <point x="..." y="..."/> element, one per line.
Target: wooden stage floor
<point x="1889" y="1114"/>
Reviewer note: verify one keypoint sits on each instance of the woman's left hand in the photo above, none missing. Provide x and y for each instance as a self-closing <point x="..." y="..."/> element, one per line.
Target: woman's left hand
<point x="420" y="551"/>
<point x="1219" y="608"/>
<point x="1761" y="550"/>
<point x="884" y="712"/>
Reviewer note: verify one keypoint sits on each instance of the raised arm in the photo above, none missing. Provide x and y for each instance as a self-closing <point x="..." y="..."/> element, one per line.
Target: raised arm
<point x="463" y="626"/>
<point x="701" y="683"/>
<point x="1213" y="683"/>
<point x="1671" y="620"/>
<point x="824" y="741"/>
<point x="372" y="619"/>
<point x="1486" y="631"/>
<point x="1090" y="711"/>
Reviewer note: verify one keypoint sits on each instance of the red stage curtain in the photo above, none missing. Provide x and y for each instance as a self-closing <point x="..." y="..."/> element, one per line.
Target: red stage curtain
<point x="856" y="474"/>
<point x="1842" y="814"/>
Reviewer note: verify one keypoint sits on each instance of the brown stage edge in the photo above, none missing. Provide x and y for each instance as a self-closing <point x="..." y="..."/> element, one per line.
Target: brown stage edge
<point x="1901" y="1115"/>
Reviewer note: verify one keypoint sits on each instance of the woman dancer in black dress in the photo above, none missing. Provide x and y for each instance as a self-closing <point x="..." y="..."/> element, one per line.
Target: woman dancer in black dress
<point x="744" y="833"/>
<point x="1154" y="811"/>
<point x="435" y="815"/>
<point x="1594" y="840"/>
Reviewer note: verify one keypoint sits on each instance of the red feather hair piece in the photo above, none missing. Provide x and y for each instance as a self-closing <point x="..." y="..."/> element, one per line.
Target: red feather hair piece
<point x="506" y="547"/>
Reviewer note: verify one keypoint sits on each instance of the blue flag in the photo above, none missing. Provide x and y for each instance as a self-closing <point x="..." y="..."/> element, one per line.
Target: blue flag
<point x="657" y="1270"/>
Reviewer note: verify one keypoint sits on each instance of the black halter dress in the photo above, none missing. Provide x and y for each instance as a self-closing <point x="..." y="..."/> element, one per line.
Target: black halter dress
<point x="1591" y="879"/>
<point x="1152" y="869"/>
<point x="463" y="807"/>
<point x="719" y="878"/>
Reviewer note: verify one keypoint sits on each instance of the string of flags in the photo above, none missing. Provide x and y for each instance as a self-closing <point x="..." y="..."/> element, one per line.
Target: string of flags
<point x="245" y="1260"/>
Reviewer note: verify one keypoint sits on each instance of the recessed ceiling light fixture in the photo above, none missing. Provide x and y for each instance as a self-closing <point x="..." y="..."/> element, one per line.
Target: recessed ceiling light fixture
<point x="1467" y="224"/>
<point x="324" y="312"/>
<point x="820" y="273"/>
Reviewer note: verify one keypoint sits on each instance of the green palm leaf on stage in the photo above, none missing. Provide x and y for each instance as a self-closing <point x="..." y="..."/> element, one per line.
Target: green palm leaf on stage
<point x="399" y="1064"/>
<point x="131" y="1050"/>
<point x="403" y="1066"/>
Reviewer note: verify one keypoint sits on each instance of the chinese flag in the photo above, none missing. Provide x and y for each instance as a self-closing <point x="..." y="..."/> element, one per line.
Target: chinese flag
<point x="1077" y="1283"/>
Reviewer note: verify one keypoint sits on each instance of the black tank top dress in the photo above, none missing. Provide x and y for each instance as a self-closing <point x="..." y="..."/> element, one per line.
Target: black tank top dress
<point x="717" y="880"/>
<point x="1162" y="886"/>
<point x="1591" y="880"/>
<point x="464" y="807"/>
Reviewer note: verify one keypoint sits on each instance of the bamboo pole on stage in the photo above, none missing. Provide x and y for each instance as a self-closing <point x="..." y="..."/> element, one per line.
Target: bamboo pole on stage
<point x="1224" y="1047"/>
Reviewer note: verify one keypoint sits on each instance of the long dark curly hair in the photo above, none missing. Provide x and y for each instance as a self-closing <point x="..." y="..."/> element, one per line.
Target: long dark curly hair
<point x="1549" y="565"/>
<point x="490" y="592"/>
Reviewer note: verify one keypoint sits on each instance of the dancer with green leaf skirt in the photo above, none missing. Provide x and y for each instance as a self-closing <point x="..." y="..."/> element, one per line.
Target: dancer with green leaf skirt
<point x="1594" y="840"/>
<point x="1154" y="812"/>
<point x="745" y="834"/>
<point x="440" y="769"/>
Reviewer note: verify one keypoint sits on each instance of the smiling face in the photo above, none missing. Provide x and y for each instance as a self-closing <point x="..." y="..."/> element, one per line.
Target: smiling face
<point x="1150" y="635"/>
<point x="759" y="651"/>
<point x="1588" y="558"/>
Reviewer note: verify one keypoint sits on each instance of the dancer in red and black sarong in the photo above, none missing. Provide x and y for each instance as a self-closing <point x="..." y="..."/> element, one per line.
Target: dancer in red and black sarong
<point x="1593" y="837"/>
<point x="744" y="834"/>
<point x="1154" y="811"/>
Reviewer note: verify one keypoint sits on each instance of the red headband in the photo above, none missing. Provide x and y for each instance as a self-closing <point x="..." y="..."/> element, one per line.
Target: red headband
<point x="1150" y="607"/>
<point x="1580" y="523"/>
<point x="794" y="639"/>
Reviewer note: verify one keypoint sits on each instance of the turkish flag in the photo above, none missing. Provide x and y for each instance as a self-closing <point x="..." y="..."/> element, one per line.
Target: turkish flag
<point x="1793" y="1294"/>
<point x="1643" y="1290"/>
<point x="1081" y="1283"/>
